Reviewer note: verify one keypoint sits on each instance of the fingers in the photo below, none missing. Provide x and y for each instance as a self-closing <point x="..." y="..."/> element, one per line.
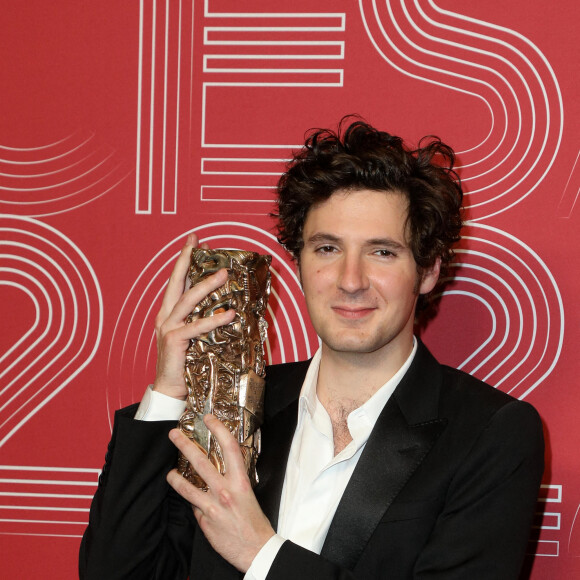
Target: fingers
<point x="192" y="297"/>
<point x="173" y="334"/>
<point x="228" y="513"/>
<point x="233" y="458"/>
<point x="195" y="496"/>
<point x="172" y="345"/>
<point x="204" y="325"/>
<point x="202" y="466"/>
<point x="196" y="457"/>
<point x="234" y="461"/>
<point x="176" y="284"/>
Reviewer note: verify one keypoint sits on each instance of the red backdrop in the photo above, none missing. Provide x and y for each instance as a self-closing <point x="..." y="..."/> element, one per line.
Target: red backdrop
<point x="125" y="125"/>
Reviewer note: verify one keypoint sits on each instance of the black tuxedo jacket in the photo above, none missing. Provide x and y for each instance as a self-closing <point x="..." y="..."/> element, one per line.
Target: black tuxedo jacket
<point x="445" y="488"/>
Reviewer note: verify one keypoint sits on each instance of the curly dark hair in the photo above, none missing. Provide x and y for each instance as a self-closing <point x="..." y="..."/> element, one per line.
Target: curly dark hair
<point x="362" y="157"/>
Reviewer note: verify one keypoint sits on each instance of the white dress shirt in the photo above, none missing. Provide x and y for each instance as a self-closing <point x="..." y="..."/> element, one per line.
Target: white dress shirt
<point x="315" y="478"/>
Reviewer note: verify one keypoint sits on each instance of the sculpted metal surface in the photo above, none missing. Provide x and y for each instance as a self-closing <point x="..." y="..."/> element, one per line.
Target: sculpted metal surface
<point x="225" y="368"/>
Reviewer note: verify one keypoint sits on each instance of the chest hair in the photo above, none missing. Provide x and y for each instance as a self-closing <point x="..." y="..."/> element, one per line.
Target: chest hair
<point x="339" y="410"/>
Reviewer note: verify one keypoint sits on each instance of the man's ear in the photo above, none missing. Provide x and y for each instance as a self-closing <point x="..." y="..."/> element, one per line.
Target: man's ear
<point x="429" y="277"/>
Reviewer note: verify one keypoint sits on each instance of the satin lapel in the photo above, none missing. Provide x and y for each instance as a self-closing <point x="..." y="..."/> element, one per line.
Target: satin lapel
<point x="283" y="384"/>
<point x="403" y="435"/>
<point x="276" y="442"/>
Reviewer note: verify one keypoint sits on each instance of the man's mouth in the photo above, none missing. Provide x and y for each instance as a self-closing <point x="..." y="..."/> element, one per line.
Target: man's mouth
<point x="353" y="312"/>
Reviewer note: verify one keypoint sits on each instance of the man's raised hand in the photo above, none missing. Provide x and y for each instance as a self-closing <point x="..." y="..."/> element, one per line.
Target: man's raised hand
<point x="173" y="334"/>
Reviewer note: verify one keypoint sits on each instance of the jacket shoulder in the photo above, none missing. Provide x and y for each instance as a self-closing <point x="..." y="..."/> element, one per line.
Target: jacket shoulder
<point x="463" y="395"/>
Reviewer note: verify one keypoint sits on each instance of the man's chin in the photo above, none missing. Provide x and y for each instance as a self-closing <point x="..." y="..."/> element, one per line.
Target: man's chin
<point x="352" y="345"/>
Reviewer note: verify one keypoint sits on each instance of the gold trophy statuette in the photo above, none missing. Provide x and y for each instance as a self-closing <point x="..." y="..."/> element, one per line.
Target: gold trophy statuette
<point x="225" y="368"/>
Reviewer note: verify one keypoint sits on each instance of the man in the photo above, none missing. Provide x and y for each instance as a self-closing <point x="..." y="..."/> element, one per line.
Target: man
<point x="377" y="462"/>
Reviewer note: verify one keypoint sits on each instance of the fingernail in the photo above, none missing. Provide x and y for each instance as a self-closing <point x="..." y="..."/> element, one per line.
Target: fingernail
<point x="173" y="434"/>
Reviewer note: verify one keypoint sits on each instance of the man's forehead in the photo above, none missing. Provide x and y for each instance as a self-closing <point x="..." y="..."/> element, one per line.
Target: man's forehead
<point x="347" y="192"/>
<point x="369" y="211"/>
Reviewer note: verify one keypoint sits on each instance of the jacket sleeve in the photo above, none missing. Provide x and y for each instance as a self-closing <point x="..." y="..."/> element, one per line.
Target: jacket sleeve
<point x="139" y="528"/>
<point x="483" y="527"/>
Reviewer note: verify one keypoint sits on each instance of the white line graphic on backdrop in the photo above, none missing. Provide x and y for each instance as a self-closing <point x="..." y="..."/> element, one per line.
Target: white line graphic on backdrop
<point x="164" y="98"/>
<point x="524" y="303"/>
<point x="546" y="547"/>
<point x="68" y="310"/>
<point x="522" y="156"/>
<point x="162" y="117"/>
<point x="275" y="50"/>
<point x="45" y="501"/>
<point x="58" y="177"/>
<point x="237" y="36"/>
<point x="571" y="191"/>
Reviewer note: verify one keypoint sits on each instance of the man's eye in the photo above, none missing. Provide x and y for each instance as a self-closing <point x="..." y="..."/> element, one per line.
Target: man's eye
<point x="326" y="249"/>
<point x="384" y="253"/>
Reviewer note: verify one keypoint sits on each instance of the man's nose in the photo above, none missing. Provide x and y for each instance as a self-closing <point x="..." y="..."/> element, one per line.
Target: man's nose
<point x="353" y="276"/>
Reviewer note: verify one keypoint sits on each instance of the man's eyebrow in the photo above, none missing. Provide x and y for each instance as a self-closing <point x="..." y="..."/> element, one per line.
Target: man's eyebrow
<point x="322" y="237"/>
<point x="385" y="242"/>
<point x="326" y="237"/>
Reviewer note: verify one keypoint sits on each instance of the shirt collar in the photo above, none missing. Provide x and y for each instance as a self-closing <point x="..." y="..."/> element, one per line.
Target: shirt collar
<point x="371" y="408"/>
<point x="308" y="399"/>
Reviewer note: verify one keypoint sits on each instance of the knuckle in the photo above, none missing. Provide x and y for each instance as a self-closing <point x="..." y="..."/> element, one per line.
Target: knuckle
<point x="182" y="487"/>
<point x="245" y="485"/>
<point x="230" y="446"/>
<point x="169" y="337"/>
<point x="224" y="497"/>
<point x="163" y="338"/>
<point x="211" y="512"/>
<point x="159" y="320"/>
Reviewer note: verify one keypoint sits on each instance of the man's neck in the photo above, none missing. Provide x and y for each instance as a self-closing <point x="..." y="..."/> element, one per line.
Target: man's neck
<point x="348" y="380"/>
<point x="355" y="377"/>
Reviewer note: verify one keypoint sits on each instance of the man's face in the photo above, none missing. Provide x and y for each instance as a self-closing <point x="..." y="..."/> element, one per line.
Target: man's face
<point x="359" y="275"/>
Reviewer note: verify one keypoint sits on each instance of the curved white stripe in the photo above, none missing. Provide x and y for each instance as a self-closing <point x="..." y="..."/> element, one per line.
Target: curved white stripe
<point x="151" y="280"/>
<point x="511" y="188"/>
<point x="501" y="264"/>
<point x="503" y="305"/>
<point x="62" y="183"/>
<point x="468" y="64"/>
<point x="96" y="327"/>
<point x="505" y="156"/>
<point x="43" y="147"/>
<point x="560" y="307"/>
<point x="489" y="309"/>
<point x="552" y="76"/>
<point x="426" y="79"/>
<point x="86" y="202"/>
<point x="32" y="297"/>
<point x="493" y="55"/>
<point x="48" y="173"/>
<point x="277" y="332"/>
<point x="30" y="348"/>
<point x="43" y="274"/>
